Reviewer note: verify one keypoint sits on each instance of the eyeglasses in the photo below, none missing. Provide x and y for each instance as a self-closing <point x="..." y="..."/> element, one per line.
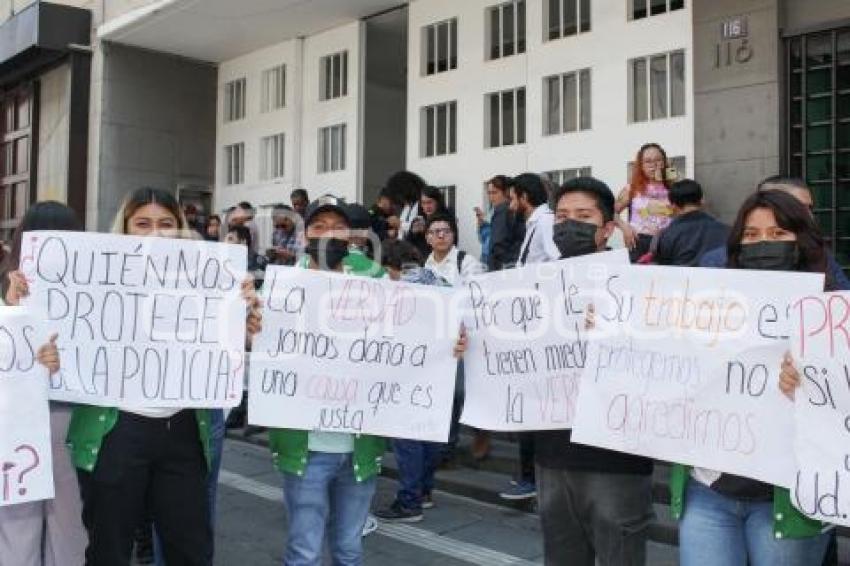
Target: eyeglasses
<point x="439" y="232"/>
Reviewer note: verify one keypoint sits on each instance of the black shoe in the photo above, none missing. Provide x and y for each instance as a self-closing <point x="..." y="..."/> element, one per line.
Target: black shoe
<point x="398" y="514"/>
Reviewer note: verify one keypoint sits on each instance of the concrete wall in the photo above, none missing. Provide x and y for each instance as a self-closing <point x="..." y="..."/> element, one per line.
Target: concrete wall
<point x="738" y="110"/>
<point x="801" y="14"/>
<point x="53" y="134"/>
<point x="157" y="126"/>
<point x="607" y="147"/>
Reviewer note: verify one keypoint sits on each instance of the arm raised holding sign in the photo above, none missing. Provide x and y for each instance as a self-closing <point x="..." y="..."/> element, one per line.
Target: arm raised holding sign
<point x="64" y="531"/>
<point x="773" y="232"/>
<point x="106" y="440"/>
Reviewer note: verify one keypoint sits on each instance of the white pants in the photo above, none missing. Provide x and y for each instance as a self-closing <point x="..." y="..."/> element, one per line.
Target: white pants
<point x="48" y="533"/>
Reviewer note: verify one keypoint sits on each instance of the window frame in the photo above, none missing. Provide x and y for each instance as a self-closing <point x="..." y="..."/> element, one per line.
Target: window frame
<point x="331" y="148"/>
<point x="430" y="128"/>
<point x="431" y="33"/>
<point x="560" y="176"/>
<point x="273" y="89"/>
<point x="234" y="164"/>
<point x="582" y="107"/>
<point x="496" y="50"/>
<point x="518" y="125"/>
<point x="583" y="11"/>
<point x="235" y="100"/>
<point x="670" y="6"/>
<point x="637" y="115"/>
<point x="270" y="156"/>
<point x="333" y="76"/>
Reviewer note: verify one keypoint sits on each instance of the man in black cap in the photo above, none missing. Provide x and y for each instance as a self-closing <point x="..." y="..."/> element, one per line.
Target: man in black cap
<point x="328" y="477"/>
<point x="360" y="258"/>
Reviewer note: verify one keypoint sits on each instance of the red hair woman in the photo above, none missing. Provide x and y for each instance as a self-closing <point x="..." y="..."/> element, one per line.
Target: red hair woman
<point x="646" y="199"/>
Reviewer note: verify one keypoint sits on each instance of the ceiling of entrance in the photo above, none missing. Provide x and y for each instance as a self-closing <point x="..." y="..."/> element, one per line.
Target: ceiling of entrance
<point x="219" y="30"/>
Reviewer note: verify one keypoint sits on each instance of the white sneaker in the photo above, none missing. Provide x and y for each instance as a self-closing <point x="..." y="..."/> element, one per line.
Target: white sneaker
<point x="371" y="525"/>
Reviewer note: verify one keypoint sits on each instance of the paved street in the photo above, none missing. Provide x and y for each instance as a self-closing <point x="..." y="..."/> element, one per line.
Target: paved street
<point x="458" y="530"/>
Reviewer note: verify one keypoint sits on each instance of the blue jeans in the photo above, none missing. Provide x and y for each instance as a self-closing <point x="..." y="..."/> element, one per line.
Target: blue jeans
<point x="717" y="530"/>
<point x="217" y="447"/>
<point x="417" y="462"/>
<point x="326" y="498"/>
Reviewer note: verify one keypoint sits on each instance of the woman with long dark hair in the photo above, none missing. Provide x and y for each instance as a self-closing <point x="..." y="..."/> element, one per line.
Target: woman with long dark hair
<point x="134" y="460"/>
<point x="727" y="519"/>
<point x="44" y="533"/>
<point x="645" y="198"/>
<point x="431" y="202"/>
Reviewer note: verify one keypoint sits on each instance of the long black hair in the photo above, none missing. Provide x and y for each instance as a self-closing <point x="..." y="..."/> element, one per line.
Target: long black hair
<point x="45" y="215"/>
<point x="791" y="215"/>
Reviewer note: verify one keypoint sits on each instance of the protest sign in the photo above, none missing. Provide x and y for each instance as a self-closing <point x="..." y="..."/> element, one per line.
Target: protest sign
<point x="527" y="342"/>
<point x="143" y="322"/>
<point x="821" y="349"/>
<point x="352" y="354"/>
<point x="685" y="368"/>
<point x="26" y="470"/>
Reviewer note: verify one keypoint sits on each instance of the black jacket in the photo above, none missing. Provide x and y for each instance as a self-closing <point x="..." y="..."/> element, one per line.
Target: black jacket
<point x="688" y="237"/>
<point x="506" y="235"/>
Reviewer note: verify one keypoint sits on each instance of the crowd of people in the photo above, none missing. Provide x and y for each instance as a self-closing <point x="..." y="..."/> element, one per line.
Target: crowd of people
<point x="129" y="476"/>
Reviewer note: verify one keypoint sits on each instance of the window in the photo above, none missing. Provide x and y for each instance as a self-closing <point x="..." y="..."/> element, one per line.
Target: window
<point x="505" y="117"/>
<point x="449" y="196"/>
<point x="566" y="102"/>
<point x="234" y="100"/>
<point x="566" y="17"/>
<point x="333" y="81"/>
<point x="16" y="156"/>
<point x="818" y="129"/>
<point x="642" y="8"/>
<point x="561" y="176"/>
<point x="234" y="164"/>
<point x="439" y="47"/>
<point x="332" y="148"/>
<point x="657" y="87"/>
<point x="271" y="157"/>
<point x="274" y="89"/>
<point x="439" y="129"/>
<point x="506" y="34"/>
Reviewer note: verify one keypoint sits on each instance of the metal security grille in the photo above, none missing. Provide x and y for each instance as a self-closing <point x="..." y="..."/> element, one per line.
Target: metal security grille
<point x="818" y="134"/>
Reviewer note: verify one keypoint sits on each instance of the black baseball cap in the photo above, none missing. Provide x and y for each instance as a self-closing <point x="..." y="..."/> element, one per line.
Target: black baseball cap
<point x="359" y="217"/>
<point x="327" y="203"/>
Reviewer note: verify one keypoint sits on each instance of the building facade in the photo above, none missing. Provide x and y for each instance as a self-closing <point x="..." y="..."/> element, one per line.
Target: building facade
<point x="226" y="102"/>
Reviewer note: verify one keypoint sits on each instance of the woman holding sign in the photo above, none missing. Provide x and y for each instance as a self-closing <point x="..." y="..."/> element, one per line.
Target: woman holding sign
<point x="730" y="520"/>
<point x="44" y="532"/>
<point x="156" y="459"/>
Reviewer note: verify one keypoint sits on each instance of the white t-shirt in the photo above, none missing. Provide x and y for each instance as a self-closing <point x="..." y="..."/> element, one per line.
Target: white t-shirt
<point x="448" y="268"/>
<point x="538" y="245"/>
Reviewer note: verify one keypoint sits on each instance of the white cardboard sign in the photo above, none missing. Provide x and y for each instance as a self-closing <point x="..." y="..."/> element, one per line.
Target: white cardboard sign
<point x="342" y="353"/>
<point x="685" y="368"/>
<point x="26" y="469"/>
<point x="143" y="322"/>
<point x="528" y="342"/>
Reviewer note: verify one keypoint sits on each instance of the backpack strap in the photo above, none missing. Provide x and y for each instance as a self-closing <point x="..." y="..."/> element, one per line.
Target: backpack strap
<point x="461" y="255"/>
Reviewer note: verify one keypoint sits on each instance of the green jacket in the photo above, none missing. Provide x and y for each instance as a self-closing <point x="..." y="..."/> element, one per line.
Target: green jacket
<point x="358" y="263"/>
<point x="788" y="522"/>
<point x="289" y="447"/>
<point x="90" y="425"/>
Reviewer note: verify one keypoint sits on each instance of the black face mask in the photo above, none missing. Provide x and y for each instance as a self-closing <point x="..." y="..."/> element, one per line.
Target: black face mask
<point x="575" y="238"/>
<point x="769" y="256"/>
<point x="327" y="253"/>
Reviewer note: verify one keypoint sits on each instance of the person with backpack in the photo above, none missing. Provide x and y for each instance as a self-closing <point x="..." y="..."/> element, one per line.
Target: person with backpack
<point x="446" y="260"/>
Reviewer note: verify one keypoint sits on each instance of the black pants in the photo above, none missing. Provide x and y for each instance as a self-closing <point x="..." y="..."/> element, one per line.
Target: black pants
<point x="526" y="457"/>
<point x="643" y="244"/>
<point x="593" y="518"/>
<point x="149" y="464"/>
